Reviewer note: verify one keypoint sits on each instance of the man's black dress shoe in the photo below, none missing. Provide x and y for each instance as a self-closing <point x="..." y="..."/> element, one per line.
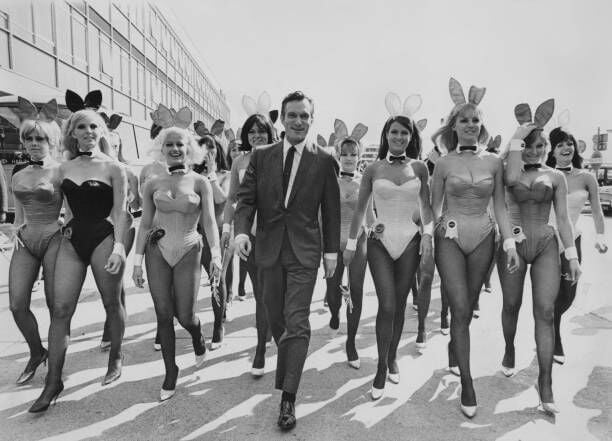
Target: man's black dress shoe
<point x="286" y="418"/>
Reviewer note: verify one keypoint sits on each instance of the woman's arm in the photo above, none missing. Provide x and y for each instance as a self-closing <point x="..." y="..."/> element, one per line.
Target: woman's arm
<point x="234" y="183"/>
<point x="133" y="190"/>
<point x="593" y="189"/>
<point x="207" y="219"/>
<point x="426" y="213"/>
<point x="499" y="202"/>
<point x="437" y="188"/>
<point x="146" y="221"/>
<point x="220" y="186"/>
<point x="564" y="224"/>
<point x="365" y="191"/>
<point x="118" y="216"/>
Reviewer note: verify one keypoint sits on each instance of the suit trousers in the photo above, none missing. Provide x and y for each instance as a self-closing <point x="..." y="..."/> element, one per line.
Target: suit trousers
<point x="288" y="287"/>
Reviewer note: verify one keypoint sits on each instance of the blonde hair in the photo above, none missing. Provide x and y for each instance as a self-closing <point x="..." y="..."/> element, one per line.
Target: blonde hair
<point x="70" y="144"/>
<point x="194" y="152"/>
<point x="447" y="135"/>
<point x="49" y="129"/>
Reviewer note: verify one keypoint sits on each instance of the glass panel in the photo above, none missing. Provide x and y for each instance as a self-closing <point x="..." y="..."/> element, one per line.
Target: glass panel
<point x="116" y="66"/>
<point x="121" y="103"/>
<point x="128" y="141"/>
<point x="105" y="55"/>
<point x="4" y="52"/>
<point x="136" y="38"/>
<point x="119" y="21"/>
<point x="79" y="40"/>
<point x="101" y="7"/>
<point x="138" y="111"/>
<point x="99" y="21"/>
<point x="33" y="63"/>
<point x="143" y="140"/>
<point x="43" y="25"/>
<point x="94" y="50"/>
<point x="4" y="19"/>
<point x="125" y="71"/>
<point x="70" y="78"/>
<point x="20" y="14"/>
<point x="62" y="20"/>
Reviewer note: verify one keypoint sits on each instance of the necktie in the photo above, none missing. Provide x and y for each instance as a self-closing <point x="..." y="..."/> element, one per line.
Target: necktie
<point x="466" y="148"/>
<point x="287" y="169"/>
<point x="565" y="169"/>
<point x="31" y="162"/>
<point x="176" y="167"/>
<point x="80" y="153"/>
<point x="343" y="173"/>
<point x="532" y="166"/>
<point x="400" y="158"/>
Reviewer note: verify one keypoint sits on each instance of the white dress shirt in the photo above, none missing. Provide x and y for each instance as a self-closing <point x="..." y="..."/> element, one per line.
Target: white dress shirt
<point x="297" y="156"/>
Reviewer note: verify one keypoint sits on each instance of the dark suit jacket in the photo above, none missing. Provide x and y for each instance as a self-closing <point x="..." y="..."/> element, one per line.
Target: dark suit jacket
<point x="315" y="187"/>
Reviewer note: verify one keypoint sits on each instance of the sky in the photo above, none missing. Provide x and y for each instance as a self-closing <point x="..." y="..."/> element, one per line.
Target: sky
<point x="347" y="55"/>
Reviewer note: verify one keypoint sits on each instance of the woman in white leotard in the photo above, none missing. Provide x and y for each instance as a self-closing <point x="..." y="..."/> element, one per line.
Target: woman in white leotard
<point x="581" y="186"/>
<point x="399" y="185"/>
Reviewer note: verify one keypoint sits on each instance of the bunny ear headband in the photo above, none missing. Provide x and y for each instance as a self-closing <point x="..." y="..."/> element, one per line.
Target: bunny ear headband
<point x="216" y="129"/>
<point x="563" y="120"/>
<point x="412" y="104"/>
<point x="494" y="143"/>
<point x="113" y="122"/>
<point x="261" y="106"/>
<point x="92" y="100"/>
<point x="165" y="117"/>
<point x="321" y="141"/>
<point x="341" y="132"/>
<point x="543" y="113"/>
<point x="475" y="94"/>
<point x="27" y="110"/>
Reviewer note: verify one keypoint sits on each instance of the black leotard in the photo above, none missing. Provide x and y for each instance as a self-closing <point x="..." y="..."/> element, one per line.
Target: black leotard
<point x="91" y="203"/>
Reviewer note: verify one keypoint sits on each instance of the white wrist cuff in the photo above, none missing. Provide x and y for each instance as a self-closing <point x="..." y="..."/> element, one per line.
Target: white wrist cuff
<point x="428" y="228"/>
<point x="601" y="238"/>
<point x="516" y="145"/>
<point x="571" y="253"/>
<point x="509" y="244"/>
<point x="138" y="259"/>
<point x="226" y="228"/>
<point x="351" y="244"/>
<point x="118" y="248"/>
<point x="212" y="177"/>
<point x="215" y="253"/>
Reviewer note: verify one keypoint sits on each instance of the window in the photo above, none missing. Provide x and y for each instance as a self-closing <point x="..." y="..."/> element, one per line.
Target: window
<point x="137" y="38"/>
<point x="21" y="19"/>
<point x="43" y="26"/>
<point x="105" y="56"/>
<point x="125" y="71"/>
<point x="64" y="43"/>
<point x="70" y="78"/>
<point x="119" y="21"/>
<point x="143" y="140"/>
<point x="128" y="141"/>
<point x="33" y="63"/>
<point x="4" y="51"/>
<point x="94" y="50"/>
<point x="4" y="20"/>
<point x="79" y="39"/>
<point x="121" y="103"/>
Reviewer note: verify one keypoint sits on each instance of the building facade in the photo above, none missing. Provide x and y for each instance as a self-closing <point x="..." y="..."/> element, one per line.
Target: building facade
<point x="126" y="49"/>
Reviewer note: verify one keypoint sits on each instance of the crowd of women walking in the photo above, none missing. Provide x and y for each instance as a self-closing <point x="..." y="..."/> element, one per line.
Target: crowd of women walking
<point x="465" y="208"/>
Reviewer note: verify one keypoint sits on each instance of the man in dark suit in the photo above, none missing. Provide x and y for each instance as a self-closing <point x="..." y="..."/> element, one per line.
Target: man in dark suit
<point x="288" y="184"/>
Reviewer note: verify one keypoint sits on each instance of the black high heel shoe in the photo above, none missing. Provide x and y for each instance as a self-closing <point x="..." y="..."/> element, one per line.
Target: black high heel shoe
<point x="30" y="369"/>
<point x="41" y="405"/>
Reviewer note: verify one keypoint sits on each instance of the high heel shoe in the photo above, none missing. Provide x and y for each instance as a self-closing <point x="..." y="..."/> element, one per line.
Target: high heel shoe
<point x="454" y="370"/>
<point x="377" y="393"/>
<point x="508" y="371"/>
<point x="559" y="359"/>
<point x="30" y="369"/>
<point x="394" y="378"/>
<point x="114" y="371"/>
<point x="468" y="411"/>
<point x="104" y="345"/>
<point x="166" y="394"/>
<point x="41" y="405"/>
<point x="550" y="407"/>
<point x="355" y="364"/>
<point x="199" y="347"/>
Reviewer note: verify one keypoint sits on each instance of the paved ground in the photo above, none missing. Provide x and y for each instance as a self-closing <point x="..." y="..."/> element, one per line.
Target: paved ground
<point x="222" y="401"/>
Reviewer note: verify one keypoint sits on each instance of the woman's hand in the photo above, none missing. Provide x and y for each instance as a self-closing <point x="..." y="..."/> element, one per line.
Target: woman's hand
<point x="211" y="164"/>
<point x="114" y="263"/>
<point x="523" y="130"/>
<point x="512" y="260"/>
<point x="574" y="271"/>
<point x="347" y="257"/>
<point x="137" y="276"/>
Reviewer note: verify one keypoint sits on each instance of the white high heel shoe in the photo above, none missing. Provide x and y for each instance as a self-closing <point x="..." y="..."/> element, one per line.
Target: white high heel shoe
<point x="469" y="411"/>
<point x="355" y="364"/>
<point x="166" y="394"/>
<point x="377" y="393"/>
<point x="507" y="371"/>
<point x="394" y="378"/>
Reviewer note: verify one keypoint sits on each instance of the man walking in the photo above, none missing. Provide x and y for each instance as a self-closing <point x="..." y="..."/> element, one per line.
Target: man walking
<point x="288" y="184"/>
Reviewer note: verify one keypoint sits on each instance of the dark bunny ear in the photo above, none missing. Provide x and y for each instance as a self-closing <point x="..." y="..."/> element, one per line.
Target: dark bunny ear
<point x="25" y="109"/>
<point x="115" y="120"/>
<point x="200" y="128"/>
<point x="321" y="141"/>
<point x="93" y="100"/>
<point x="105" y="118"/>
<point x="73" y="101"/>
<point x="522" y="112"/>
<point x="273" y="115"/>
<point x="544" y="112"/>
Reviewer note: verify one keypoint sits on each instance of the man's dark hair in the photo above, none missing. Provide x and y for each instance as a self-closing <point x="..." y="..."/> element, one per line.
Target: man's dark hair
<point x="298" y="95"/>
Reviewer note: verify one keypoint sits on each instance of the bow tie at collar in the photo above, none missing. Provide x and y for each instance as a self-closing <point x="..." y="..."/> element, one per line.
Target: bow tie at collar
<point x="80" y="153"/>
<point x="565" y="169"/>
<point x="349" y="174"/>
<point x="179" y="168"/>
<point x="532" y="166"/>
<point x="467" y="148"/>
<point x="39" y="163"/>
<point x="391" y="158"/>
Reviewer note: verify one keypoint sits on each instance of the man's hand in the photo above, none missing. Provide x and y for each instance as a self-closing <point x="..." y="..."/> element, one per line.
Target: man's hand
<point x="243" y="246"/>
<point x="330" y="267"/>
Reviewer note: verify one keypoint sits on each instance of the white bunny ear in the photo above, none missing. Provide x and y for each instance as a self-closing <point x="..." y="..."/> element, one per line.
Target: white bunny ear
<point x="359" y="132"/>
<point x="564" y="119"/>
<point x="332" y="139"/>
<point x="456" y="91"/>
<point x="249" y="105"/>
<point x="264" y="103"/>
<point x="321" y="141"/>
<point x="393" y="104"/>
<point x="421" y="124"/>
<point x="412" y="104"/>
<point x="340" y="129"/>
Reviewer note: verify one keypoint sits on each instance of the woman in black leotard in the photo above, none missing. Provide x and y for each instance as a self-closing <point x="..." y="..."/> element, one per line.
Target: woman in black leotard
<point x="38" y="201"/>
<point x="95" y="188"/>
